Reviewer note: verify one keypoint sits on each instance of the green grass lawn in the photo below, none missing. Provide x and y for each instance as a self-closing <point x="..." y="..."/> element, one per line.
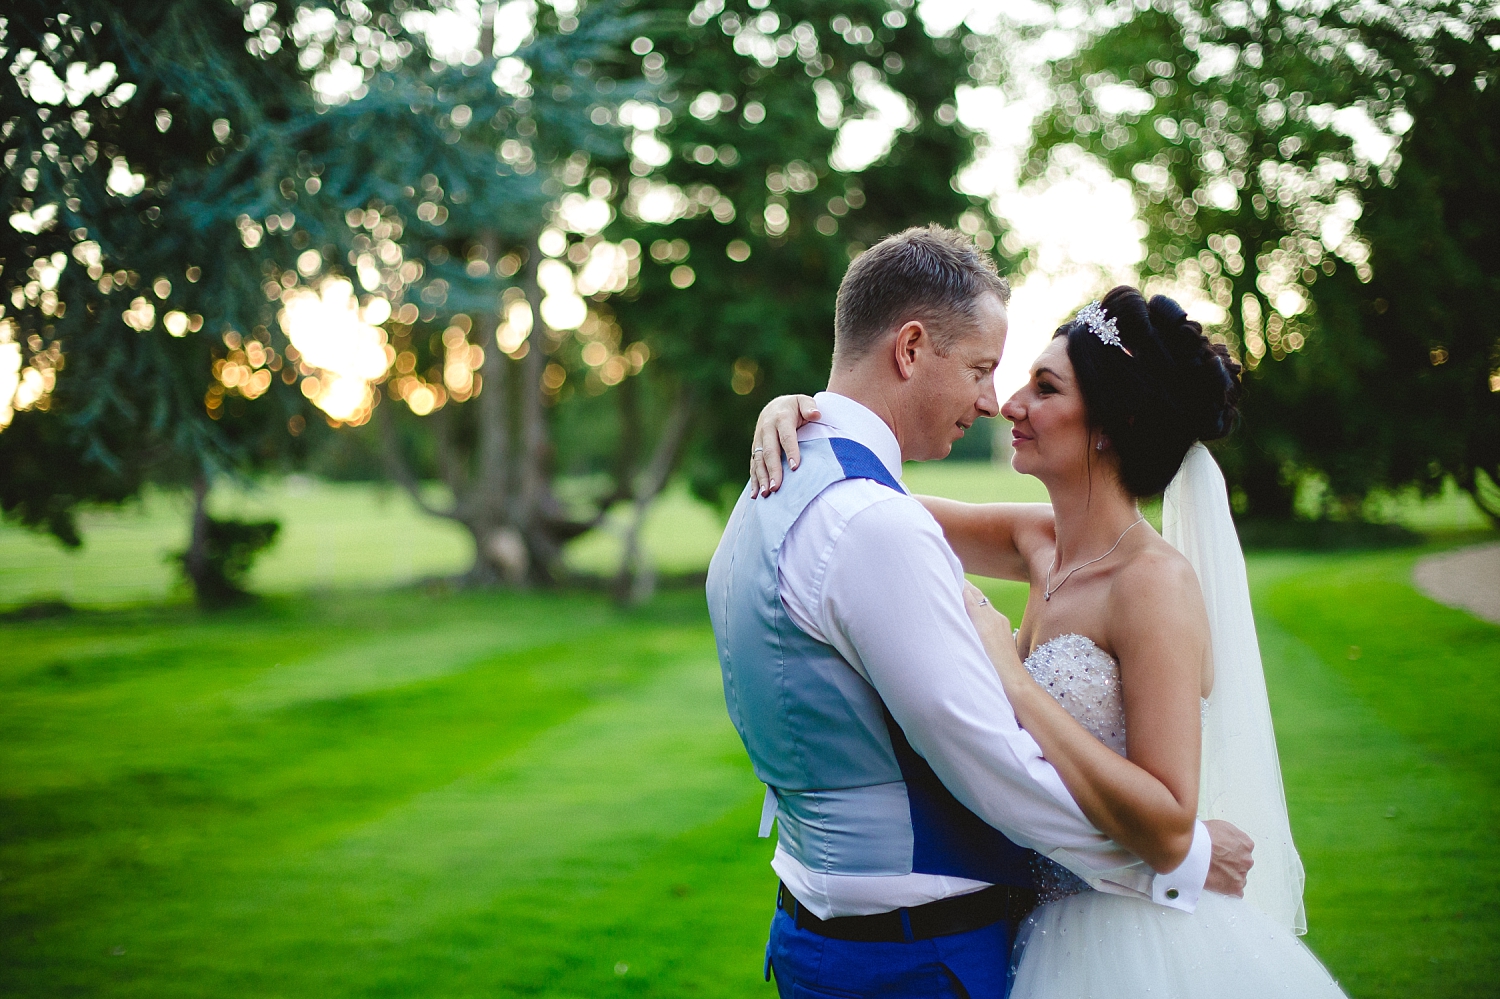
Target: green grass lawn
<point x="334" y="536"/>
<point x="341" y="536"/>
<point x="357" y="788"/>
<point x="1388" y="720"/>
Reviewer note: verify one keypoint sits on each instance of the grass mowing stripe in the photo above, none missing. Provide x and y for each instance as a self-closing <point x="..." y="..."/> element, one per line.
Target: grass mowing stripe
<point x="568" y="811"/>
<point x="691" y="920"/>
<point x="530" y="848"/>
<point x="1429" y="671"/>
<point x="1403" y="870"/>
<point x="397" y="660"/>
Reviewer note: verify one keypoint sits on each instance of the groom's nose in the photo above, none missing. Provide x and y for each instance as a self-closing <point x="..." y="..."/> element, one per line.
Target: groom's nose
<point x="989" y="401"/>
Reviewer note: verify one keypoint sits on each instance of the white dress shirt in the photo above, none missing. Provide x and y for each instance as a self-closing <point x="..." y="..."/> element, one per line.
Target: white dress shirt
<point x="868" y="571"/>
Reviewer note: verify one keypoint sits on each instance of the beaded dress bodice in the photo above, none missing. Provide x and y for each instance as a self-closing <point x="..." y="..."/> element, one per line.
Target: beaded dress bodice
<point x="1085" y="680"/>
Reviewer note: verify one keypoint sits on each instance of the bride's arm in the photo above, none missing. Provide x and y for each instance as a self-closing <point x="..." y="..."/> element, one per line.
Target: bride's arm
<point x="1160" y="635"/>
<point x="987" y="537"/>
<point x="990" y="538"/>
<point x="1147" y="802"/>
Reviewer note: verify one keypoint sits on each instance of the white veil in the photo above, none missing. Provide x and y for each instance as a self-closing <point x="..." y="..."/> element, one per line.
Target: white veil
<point x="1241" y="778"/>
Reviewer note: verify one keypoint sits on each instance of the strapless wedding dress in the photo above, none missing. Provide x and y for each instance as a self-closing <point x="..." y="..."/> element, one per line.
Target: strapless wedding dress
<point x="1085" y="944"/>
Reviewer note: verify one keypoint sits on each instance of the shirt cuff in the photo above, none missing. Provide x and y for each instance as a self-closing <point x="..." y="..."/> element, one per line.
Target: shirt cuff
<point x="1181" y="888"/>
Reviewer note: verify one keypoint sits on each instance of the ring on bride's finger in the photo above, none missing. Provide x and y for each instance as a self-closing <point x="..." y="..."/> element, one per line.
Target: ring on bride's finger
<point x="984" y="601"/>
<point x="756" y="451"/>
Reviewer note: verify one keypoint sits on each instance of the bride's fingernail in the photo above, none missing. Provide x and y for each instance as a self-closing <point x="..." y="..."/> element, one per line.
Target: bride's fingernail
<point x="793" y="463"/>
<point x="773" y="483"/>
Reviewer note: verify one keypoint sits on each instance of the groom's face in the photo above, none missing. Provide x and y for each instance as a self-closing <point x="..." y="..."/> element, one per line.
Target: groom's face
<point x="952" y="389"/>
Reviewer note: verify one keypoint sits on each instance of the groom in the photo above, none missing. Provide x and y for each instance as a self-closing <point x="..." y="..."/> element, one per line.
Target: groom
<point x="909" y="799"/>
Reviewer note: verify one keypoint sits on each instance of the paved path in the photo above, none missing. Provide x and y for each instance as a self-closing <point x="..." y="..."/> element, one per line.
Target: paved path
<point x="1468" y="578"/>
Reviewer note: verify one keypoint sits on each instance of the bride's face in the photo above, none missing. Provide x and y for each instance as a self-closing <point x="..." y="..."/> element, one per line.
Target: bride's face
<point x="1050" y="429"/>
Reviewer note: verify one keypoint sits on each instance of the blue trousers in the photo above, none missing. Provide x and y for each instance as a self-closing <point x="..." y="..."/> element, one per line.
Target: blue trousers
<point x="969" y="965"/>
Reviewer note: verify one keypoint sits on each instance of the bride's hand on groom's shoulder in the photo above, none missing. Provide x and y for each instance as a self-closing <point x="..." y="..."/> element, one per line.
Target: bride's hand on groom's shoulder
<point x="775" y="435"/>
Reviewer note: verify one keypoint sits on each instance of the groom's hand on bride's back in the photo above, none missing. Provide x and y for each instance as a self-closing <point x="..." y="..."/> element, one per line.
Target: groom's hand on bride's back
<point x="1231" y="858"/>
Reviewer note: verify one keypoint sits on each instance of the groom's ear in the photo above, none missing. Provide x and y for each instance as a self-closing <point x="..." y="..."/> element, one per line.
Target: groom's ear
<point x="911" y="339"/>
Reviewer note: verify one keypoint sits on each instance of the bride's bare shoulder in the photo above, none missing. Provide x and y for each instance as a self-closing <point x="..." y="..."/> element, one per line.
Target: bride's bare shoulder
<point x="1156" y="590"/>
<point x="1158" y="624"/>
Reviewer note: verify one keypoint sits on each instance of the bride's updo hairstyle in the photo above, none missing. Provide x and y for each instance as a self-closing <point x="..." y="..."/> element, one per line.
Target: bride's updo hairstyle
<point x="1172" y="389"/>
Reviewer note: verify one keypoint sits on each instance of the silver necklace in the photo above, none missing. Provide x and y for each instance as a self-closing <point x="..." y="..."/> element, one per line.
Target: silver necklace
<point x="1053" y="589"/>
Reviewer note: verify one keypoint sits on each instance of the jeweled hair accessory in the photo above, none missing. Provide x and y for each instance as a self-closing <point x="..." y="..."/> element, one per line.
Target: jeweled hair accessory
<point x="1104" y="328"/>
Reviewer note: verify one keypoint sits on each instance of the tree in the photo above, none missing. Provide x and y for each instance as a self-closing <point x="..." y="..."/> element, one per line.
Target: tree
<point x="454" y="171"/>
<point x="1371" y="347"/>
<point x="114" y="268"/>
<point x="761" y="195"/>
<point x="274" y="185"/>
<point x="682" y="339"/>
<point x="44" y="478"/>
<point x="346" y="223"/>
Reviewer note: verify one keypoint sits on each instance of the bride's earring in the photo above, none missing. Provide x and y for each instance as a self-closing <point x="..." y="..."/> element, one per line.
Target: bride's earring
<point x="1100" y="444"/>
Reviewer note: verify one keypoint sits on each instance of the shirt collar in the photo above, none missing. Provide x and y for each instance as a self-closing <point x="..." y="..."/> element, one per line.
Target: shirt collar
<point x="860" y="424"/>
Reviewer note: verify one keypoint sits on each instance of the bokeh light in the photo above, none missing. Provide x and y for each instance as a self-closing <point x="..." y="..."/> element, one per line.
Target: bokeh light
<point x="10" y="372"/>
<point x="512" y="333"/>
<point x="341" y="351"/>
<point x="25" y="385"/>
<point x="562" y="307"/>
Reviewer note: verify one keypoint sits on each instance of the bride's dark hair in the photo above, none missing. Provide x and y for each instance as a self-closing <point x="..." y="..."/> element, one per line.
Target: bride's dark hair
<point x="1175" y="387"/>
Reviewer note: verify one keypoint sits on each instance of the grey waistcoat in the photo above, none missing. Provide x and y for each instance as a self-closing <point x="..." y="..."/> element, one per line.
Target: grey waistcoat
<point x="852" y="796"/>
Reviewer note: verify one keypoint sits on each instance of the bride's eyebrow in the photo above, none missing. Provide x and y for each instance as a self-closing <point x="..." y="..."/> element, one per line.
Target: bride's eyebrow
<point x="1039" y="372"/>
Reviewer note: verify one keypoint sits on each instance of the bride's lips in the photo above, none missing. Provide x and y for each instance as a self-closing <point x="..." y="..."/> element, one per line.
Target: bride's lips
<point x="1016" y="437"/>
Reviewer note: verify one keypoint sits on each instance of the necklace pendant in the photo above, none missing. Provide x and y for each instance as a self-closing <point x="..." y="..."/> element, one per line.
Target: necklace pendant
<point x="1047" y="597"/>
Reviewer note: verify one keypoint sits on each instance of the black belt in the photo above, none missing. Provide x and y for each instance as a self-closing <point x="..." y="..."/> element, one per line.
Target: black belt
<point x="946" y="916"/>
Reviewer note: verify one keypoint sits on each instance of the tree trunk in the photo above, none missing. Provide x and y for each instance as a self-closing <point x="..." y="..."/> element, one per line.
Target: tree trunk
<point x="635" y="582"/>
<point x="627" y="456"/>
<point x="499" y="554"/>
<point x="195" y="559"/>
<point x="534" y="502"/>
<point x="485" y="504"/>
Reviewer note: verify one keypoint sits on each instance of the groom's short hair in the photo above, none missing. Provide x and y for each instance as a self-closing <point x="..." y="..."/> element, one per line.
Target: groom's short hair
<point x="927" y="273"/>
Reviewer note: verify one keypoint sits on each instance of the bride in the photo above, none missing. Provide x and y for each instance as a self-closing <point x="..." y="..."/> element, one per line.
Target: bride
<point x="1139" y="640"/>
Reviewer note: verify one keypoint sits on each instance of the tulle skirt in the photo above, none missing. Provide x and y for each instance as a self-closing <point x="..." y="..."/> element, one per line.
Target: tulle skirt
<point x="1100" y="946"/>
